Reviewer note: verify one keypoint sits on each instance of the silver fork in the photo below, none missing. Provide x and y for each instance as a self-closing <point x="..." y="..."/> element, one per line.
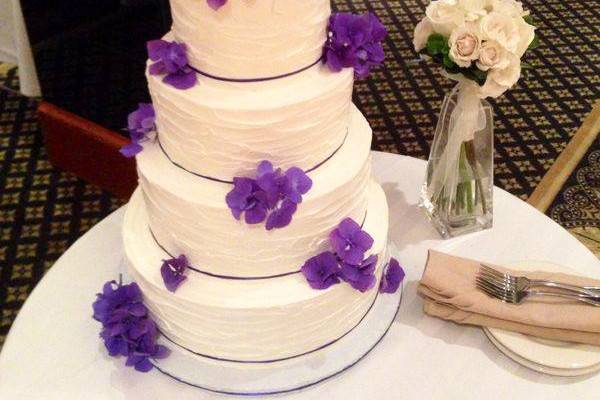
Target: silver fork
<point x="523" y="283"/>
<point x="508" y="292"/>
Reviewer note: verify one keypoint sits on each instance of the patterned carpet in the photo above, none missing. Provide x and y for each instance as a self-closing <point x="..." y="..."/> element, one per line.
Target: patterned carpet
<point x="577" y="206"/>
<point x="43" y="211"/>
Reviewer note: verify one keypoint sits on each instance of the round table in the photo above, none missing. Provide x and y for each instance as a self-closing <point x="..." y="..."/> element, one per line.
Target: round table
<point x="53" y="350"/>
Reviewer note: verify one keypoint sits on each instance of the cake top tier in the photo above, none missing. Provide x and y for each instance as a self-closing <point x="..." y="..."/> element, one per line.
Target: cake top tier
<point x="248" y="39"/>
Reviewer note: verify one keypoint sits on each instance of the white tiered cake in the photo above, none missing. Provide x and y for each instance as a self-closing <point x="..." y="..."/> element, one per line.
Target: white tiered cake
<point x="245" y="298"/>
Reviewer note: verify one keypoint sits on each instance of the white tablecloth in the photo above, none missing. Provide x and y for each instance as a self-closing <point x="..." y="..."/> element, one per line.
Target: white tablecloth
<point x="53" y="350"/>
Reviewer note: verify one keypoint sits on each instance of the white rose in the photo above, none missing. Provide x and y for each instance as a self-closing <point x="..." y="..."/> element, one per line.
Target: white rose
<point x="500" y="80"/>
<point x="445" y="16"/>
<point x="464" y="46"/>
<point x="501" y="28"/>
<point x="508" y="7"/>
<point x="423" y="30"/>
<point x="492" y="55"/>
<point x="473" y="9"/>
<point x="526" y="35"/>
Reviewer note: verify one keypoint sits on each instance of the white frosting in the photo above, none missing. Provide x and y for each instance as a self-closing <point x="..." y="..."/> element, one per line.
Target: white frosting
<point x="189" y="215"/>
<point x="248" y="320"/>
<point x="251" y="38"/>
<point x="223" y="129"/>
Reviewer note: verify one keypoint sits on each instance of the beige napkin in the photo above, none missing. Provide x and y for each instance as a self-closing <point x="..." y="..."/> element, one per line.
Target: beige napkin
<point x="448" y="287"/>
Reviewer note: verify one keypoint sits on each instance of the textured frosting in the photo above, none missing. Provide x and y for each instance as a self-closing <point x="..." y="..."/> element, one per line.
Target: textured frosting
<point x="188" y="214"/>
<point x="223" y="129"/>
<point x="249" y="320"/>
<point x="251" y="38"/>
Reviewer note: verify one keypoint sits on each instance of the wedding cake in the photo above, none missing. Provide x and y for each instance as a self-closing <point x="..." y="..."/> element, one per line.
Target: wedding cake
<point x="257" y="232"/>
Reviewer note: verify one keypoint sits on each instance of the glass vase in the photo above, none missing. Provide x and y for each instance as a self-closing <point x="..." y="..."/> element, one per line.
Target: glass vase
<point x="457" y="194"/>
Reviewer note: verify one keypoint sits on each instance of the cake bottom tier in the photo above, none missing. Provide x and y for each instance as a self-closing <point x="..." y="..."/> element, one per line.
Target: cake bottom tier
<point x="257" y="320"/>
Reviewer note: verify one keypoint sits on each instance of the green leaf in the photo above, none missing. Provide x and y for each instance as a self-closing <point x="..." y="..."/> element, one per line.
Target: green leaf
<point x="529" y="19"/>
<point x="436" y="44"/>
<point x="446" y="48"/>
<point x="525" y="65"/>
<point x="447" y="61"/>
<point x="455" y="69"/>
<point x="479" y="74"/>
<point x="534" y="43"/>
<point x="475" y="74"/>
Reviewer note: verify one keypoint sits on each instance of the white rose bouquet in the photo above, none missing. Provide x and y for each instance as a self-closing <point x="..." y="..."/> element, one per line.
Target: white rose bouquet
<point x="478" y="43"/>
<point x="482" y="40"/>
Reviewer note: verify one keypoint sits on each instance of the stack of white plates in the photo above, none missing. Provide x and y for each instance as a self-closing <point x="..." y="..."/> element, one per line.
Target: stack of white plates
<point x="547" y="356"/>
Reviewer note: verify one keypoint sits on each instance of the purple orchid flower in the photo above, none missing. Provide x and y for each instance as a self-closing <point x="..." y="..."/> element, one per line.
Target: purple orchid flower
<point x="281" y="215"/>
<point x="127" y="329"/>
<point x="361" y="277"/>
<point x="354" y="41"/>
<point x="279" y="186"/>
<point x="273" y="195"/>
<point x="131" y="150"/>
<point x="172" y="272"/>
<point x="346" y="262"/>
<point x="140" y="124"/>
<point x="146" y="351"/>
<point x="270" y="181"/>
<point x="284" y="192"/>
<point x="321" y="271"/>
<point x="141" y="121"/>
<point x="170" y="59"/>
<point x="246" y="197"/>
<point x="296" y="184"/>
<point x="350" y="242"/>
<point x="393" y="275"/>
<point x="216" y="4"/>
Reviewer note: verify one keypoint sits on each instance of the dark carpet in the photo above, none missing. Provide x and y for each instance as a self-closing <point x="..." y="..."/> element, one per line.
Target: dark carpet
<point x="577" y="206"/>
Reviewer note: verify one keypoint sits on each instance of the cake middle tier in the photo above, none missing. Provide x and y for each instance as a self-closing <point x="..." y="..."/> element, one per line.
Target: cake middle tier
<point x="222" y="129"/>
<point x="188" y="214"/>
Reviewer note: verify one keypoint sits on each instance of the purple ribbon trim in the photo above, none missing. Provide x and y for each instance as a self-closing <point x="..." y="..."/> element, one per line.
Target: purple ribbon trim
<point x="237" y="278"/>
<point x="155" y="363"/>
<point x="250" y="80"/>
<point x="210" y="178"/>
<point x="279" y="359"/>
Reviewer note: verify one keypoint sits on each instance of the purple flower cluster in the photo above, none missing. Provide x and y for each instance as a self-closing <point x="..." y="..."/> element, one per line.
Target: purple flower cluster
<point x="322" y="270"/>
<point x="350" y="242"/>
<point x="127" y="329"/>
<point x="172" y="272"/>
<point x="140" y="125"/>
<point x="361" y="276"/>
<point x="393" y="275"/>
<point x="347" y="262"/>
<point x="354" y="41"/>
<point x="273" y="196"/>
<point x="216" y="4"/>
<point x="170" y="59"/>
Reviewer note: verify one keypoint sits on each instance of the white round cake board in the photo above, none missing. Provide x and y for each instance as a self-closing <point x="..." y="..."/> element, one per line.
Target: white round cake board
<point x="269" y="378"/>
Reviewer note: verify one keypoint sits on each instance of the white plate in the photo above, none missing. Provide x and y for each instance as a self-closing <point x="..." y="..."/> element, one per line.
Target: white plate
<point x="538" y="367"/>
<point x="548" y="356"/>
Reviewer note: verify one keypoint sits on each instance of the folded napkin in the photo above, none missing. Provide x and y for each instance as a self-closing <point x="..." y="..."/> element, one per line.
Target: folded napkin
<point x="448" y="287"/>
